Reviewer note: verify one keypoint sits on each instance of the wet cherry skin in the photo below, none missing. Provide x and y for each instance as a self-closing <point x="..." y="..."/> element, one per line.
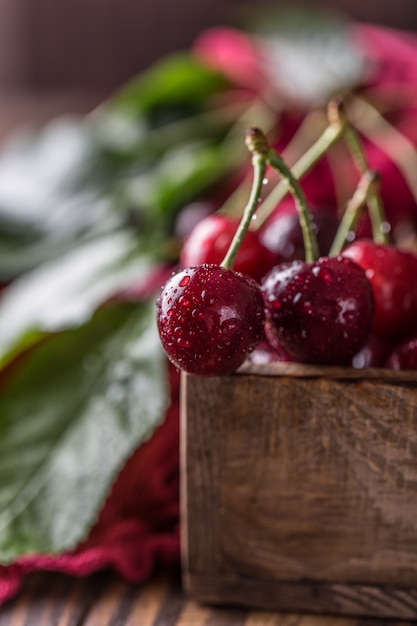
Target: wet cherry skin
<point x="210" y="239"/>
<point x="265" y="353"/>
<point x="404" y="356"/>
<point x="282" y="233"/>
<point x="318" y="312"/>
<point x="393" y="275"/>
<point x="209" y="319"/>
<point x="191" y="215"/>
<point x="374" y="353"/>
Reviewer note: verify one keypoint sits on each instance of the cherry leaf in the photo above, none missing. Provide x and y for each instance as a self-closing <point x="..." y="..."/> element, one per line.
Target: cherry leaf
<point x="66" y="293"/>
<point x="71" y="415"/>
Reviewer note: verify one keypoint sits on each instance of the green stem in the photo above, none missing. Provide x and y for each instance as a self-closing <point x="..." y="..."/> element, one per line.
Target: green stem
<point x="366" y="187"/>
<point x="309" y="237"/>
<point x="374" y="202"/>
<point x="258" y="145"/>
<point x="327" y="139"/>
<point x="259" y="163"/>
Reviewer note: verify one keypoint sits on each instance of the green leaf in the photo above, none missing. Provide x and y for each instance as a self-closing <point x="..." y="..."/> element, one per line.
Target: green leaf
<point x="47" y="205"/>
<point x="66" y="292"/>
<point x="39" y="170"/>
<point x="179" y="80"/>
<point x="79" y="405"/>
<point x="64" y="184"/>
<point x="181" y="175"/>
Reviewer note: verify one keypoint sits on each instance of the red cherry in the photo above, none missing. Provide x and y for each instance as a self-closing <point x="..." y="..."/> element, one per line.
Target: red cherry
<point x="318" y="312"/>
<point x="265" y="353"/>
<point x="210" y="240"/>
<point x="209" y="319"/>
<point x="404" y="357"/>
<point x="191" y="215"/>
<point x="282" y="232"/>
<point x="373" y="354"/>
<point x="393" y="275"/>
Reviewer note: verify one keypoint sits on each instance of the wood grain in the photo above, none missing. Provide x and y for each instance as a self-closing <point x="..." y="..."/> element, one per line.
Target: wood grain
<point x="300" y="490"/>
<point x="104" y="600"/>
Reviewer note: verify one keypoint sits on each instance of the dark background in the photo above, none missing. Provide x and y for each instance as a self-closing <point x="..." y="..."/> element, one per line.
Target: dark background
<point x="67" y="56"/>
<point x="98" y="44"/>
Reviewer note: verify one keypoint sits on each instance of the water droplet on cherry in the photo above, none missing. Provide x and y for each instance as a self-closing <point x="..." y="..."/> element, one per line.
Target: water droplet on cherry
<point x="335" y="318"/>
<point x="184" y="281"/>
<point x="217" y="319"/>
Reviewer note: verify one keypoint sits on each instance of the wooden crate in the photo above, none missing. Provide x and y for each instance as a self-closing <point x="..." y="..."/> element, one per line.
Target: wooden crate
<point x="299" y="489"/>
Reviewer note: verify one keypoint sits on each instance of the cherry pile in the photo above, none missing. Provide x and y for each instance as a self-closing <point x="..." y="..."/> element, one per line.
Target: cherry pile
<point x="284" y="298"/>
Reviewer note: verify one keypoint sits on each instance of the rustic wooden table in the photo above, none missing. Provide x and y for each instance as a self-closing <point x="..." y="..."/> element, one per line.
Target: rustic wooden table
<point x="104" y="600"/>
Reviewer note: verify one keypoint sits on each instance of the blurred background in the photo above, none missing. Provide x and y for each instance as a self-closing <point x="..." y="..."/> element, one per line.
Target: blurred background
<point x="59" y="55"/>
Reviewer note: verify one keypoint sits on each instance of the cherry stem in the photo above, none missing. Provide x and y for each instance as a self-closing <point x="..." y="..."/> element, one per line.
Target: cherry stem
<point x="257" y="144"/>
<point x="259" y="163"/>
<point x="366" y="188"/>
<point x="374" y="202"/>
<point x="331" y="134"/>
<point x="304" y="214"/>
<point x="262" y="155"/>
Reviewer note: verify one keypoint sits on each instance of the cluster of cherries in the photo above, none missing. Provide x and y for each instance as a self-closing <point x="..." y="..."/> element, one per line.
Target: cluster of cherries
<point x="358" y="308"/>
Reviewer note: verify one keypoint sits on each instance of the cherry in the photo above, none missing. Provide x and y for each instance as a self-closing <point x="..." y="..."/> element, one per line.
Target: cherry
<point x="393" y="275"/>
<point x="265" y="353"/>
<point x="318" y="312"/>
<point x="191" y="215"/>
<point x="404" y="357"/>
<point x="210" y="240"/>
<point x="209" y="319"/>
<point x="282" y="232"/>
<point x="373" y="354"/>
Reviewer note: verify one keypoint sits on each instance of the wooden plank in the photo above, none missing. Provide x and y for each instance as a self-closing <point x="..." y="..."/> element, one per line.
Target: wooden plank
<point x="300" y="370"/>
<point x="56" y="600"/>
<point x="300" y="492"/>
<point x="308" y="597"/>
